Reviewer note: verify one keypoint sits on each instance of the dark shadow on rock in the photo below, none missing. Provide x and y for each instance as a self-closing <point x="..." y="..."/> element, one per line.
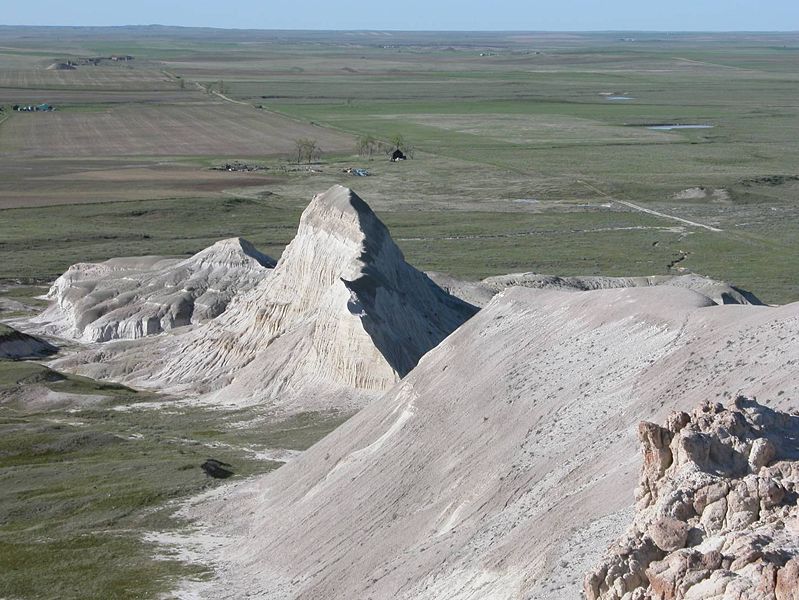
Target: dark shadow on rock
<point x="217" y="469"/>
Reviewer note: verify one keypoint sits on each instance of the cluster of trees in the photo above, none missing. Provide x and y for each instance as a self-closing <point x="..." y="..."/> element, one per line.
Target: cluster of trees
<point x="307" y="150"/>
<point x="368" y="145"/>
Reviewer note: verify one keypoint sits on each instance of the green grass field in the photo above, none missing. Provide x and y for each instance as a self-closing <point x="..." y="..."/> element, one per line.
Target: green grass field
<point x="526" y="128"/>
<point x="84" y="479"/>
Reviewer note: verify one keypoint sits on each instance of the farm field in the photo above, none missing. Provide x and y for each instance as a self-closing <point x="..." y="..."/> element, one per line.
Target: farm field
<point x="214" y="128"/>
<point x="531" y="124"/>
<point x="117" y="78"/>
<point x="80" y="181"/>
<point x="80" y="99"/>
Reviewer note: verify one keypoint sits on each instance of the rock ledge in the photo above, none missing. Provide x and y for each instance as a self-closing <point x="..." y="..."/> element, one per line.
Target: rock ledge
<point x="716" y="514"/>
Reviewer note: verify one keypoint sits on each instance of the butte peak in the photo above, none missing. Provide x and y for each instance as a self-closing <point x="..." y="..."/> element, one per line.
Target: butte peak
<point x="341" y="221"/>
<point x="341" y="318"/>
<point x="340" y="204"/>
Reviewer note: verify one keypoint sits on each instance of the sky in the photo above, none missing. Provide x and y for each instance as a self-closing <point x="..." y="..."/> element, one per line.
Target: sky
<point x="516" y="15"/>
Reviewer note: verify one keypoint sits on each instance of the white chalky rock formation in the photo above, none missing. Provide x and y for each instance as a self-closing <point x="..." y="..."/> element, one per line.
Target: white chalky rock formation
<point x="717" y="515"/>
<point x="342" y="316"/>
<point x="504" y="464"/>
<point x="480" y="292"/>
<point x="129" y="298"/>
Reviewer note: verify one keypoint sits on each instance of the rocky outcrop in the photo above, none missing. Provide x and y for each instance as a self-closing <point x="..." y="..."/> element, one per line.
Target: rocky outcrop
<point x="129" y="298"/>
<point x="16" y="345"/>
<point x="480" y="292"/>
<point x="717" y="514"/>
<point x="341" y="315"/>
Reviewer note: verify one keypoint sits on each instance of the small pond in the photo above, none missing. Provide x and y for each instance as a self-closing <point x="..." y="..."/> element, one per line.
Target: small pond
<point x="667" y="127"/>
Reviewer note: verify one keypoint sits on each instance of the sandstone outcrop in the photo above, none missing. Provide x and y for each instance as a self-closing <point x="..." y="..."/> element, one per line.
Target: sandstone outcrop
<point x="716" y="514"/>
<point x="129" y="298"/>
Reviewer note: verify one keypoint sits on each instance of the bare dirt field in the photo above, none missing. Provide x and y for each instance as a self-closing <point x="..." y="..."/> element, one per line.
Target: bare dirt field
<point x="54" y="182"/>
<point x="88" y="78"/>
<point x="210" y="129"/>
<point x="60" y="97"/>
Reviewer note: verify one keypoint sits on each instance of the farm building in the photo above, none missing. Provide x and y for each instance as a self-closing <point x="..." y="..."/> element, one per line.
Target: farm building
<point x="33" y="107"/>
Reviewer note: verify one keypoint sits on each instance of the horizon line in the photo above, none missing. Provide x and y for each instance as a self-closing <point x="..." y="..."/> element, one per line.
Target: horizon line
<point x="379" y="30"/>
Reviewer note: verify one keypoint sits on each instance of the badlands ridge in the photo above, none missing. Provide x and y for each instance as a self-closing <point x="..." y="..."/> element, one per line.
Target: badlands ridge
<point x="341" y="317"/>
<point x="128" y="298"/>
<point x="495" y="455"/>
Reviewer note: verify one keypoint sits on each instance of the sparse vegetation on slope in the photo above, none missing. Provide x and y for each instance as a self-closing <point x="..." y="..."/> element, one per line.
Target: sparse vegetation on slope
<point x="88" y="470"/>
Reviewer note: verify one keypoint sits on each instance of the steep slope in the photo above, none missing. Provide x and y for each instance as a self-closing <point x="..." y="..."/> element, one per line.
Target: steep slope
<point x="129" y="298"/>
<point x="717" y="515"/>
<point x="480" y="292"/>
<point x="342" y="315"/>
<point x="505" y="463"/>
<point x="16" y="345"/>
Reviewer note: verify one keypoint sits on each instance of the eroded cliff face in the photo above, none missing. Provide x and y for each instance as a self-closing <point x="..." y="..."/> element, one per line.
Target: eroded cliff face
<point x="341" y="316"/>
<point x="716" y="513"/>
<point x="367" y="314"/>
<point x="130" y="298"/>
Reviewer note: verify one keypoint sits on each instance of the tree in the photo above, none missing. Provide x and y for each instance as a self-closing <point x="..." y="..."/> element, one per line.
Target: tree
<point x="307" y="150"/>
<point x="398" y="141"/>
<point x="300" y="144"/>
<point x="316" y="152"/>
<point x="366" y="145"/>
<point x="386" y="149"/>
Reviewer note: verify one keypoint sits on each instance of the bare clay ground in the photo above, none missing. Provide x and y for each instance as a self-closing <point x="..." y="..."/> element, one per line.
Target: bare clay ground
<point x="503" y="480"/>
<point x="57" y="182"/>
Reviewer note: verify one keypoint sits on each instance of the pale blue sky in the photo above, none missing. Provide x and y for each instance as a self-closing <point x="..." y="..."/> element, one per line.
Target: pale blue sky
<point x="530" y="15"/>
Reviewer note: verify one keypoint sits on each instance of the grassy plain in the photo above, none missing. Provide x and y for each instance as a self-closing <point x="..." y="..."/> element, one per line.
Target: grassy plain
<point x="86" y="475"/>
<point x="500" y="123"/>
